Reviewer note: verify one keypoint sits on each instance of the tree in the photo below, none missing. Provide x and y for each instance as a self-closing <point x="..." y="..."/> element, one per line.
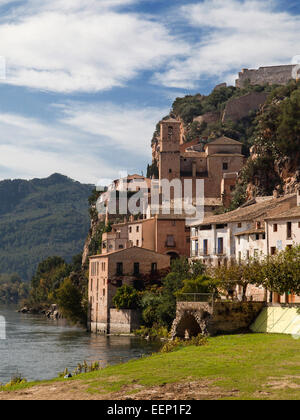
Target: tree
<point x="126" y="297"/>
<point x="69" y="300"/>
<point x="243" y="274"/>
<point x="282" y="272"/>
<point x="202" y="284"/>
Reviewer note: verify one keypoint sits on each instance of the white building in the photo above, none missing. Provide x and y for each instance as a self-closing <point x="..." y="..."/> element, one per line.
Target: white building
<point x="231" y="236"/>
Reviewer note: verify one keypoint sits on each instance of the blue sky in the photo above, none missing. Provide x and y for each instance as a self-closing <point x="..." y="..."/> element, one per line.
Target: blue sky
<point x="87" y="80"/>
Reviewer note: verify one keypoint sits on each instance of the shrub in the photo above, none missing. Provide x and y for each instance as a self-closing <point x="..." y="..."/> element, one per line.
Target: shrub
<point x="126" y="297"/>
<point x="170" y="346"/>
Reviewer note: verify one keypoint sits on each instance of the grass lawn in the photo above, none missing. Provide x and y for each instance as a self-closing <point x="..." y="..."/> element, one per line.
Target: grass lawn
<point x="252" y="366"/>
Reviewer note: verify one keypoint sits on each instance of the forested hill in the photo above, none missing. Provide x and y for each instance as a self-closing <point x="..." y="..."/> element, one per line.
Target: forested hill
<point x="41" y="218"/>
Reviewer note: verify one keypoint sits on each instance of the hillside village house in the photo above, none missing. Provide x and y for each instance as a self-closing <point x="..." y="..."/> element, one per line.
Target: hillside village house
<point x="162" y="233"/>
<point x="110" y="271"/>
<point x="232" y="236"/>
<point x="257" y="230"/>
<point x="216" y="163"/>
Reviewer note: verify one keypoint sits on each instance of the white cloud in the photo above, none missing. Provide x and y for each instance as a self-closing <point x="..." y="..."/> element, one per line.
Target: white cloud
<point x="70" y="46"/>
<point x="123" y="128"/>
<point x="88" y="143"/>
<point x="233" y="35"/>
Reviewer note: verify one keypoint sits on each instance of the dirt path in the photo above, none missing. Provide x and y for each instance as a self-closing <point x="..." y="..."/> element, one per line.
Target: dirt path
<point x="77" y="390"/>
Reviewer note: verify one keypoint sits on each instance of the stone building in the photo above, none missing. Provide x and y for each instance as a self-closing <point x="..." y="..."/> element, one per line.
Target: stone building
<point x="273" y="75"/>
<point x="112" y="270"/>
<point x="215" y="162"/>
<point x="162" y="233"/>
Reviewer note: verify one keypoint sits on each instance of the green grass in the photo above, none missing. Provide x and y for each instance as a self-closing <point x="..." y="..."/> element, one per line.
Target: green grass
<point x="244" y="363"/>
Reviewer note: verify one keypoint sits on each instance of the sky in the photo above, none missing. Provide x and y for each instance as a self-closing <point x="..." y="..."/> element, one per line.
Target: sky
<point x="84" y="82"/>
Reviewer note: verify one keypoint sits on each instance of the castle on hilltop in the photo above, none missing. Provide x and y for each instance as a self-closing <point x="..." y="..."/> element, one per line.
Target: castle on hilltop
<point x="273" y="75"/>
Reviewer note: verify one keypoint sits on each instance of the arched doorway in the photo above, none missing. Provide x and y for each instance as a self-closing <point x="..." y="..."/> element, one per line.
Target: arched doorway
<point x="188" y="325"/>
<point x="173" y="255"/>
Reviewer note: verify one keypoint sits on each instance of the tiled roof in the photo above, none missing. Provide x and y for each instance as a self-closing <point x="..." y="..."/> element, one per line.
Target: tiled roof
<point x="249" y="213"/>
<point x="145" y="250"/>
<point x="224" y="140"/>
<point x="171" y="120"/>
<point x="290" y="214"/>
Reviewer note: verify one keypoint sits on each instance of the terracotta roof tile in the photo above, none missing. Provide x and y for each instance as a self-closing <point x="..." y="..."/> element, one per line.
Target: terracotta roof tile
<point x="249" y="213"/>
<point x="290" y="214"/>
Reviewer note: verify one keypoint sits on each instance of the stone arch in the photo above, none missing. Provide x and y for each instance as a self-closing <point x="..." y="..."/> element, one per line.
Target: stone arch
<point x="173" y="255"/>
<point x="191" y="323"/>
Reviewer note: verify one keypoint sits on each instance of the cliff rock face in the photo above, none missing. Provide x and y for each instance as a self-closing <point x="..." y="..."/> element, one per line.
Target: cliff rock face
<point x="238" y="108"/>
<point x="208" y="118"/>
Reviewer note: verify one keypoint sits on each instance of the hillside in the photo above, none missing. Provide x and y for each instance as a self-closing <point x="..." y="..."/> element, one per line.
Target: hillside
<point x="265" y="118"/>
<point x="41" y="218"/>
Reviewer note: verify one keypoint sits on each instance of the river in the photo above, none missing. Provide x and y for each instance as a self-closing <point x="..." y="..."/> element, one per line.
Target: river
<point x="39" y="349"/>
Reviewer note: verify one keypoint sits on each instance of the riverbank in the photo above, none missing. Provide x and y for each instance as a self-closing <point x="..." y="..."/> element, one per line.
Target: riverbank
<point x="253" y="366"/>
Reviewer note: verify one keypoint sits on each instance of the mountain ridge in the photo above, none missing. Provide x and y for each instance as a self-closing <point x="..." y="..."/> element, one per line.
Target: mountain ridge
<point x="39" y="218"/>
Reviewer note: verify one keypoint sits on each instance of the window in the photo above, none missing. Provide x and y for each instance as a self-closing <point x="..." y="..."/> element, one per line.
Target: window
<point x="248" y="255"/>
<point x="264" y="236"/>
<point x="205" y="247"/>
<point x="137" y="243"/>
<point x="289" y="230"/>
<point x="170" y="131"/>
<point x="240" y="257"/>
<point x="275" y="228"/>
<point x="136" y="269"/>
<point x="103" y="292"/>
<point x="225" y="166"/>
<point x="222" y="226"/>
<point x="91" y="285"/>
<point x="258" y="225"/>
<point x="119" y="269"/>
<point x="220" y="246"/>
<point x="239" y="225"/>
<point x="239" y="240"/>
<point x="137" y="229"/>
<point x="170" y="241"/>
<point x="130" y="229"/>
<point x="121" y="247"/>
<point x="170" y="171"/>
<point x="153" y="268"/>
<point x="273" y="250"/>
<point x="299" y="225"/>
<point x="257" y="236"/>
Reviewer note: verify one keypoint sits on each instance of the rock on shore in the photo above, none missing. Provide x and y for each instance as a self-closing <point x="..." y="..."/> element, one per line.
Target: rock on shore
<point x="51" y="312"/>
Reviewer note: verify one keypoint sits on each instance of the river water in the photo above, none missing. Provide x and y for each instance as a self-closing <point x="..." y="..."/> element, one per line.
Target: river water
<point x="38" y="349"/>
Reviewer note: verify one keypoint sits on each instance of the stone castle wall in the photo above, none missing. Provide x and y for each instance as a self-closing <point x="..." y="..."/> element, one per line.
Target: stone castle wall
<point x="238" y="108"/>
<point x="280" y="75"/>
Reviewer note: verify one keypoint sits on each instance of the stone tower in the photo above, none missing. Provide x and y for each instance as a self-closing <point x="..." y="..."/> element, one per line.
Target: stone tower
<point x="169" y="159"/>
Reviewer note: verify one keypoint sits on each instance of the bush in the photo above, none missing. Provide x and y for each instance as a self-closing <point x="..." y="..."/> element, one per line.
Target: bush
<point x="153" y="333"/>
<point x="126" y="297"/>
<point x="170" y="346"/>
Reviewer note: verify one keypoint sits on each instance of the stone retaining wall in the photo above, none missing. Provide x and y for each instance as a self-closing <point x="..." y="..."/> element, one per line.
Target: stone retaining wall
<point x="193" y="318"/>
